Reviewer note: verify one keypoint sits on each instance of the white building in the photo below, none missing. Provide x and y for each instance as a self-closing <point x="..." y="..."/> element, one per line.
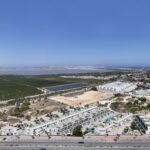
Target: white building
<point x="142" y="92"/>
<point x="118" y="87"/>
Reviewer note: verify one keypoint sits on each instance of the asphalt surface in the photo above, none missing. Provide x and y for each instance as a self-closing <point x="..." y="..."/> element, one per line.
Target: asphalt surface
<point x="68" y="148"/>
<point x="74" y="146"/>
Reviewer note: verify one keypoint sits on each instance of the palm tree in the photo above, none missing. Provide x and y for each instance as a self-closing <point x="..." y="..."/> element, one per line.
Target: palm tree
<point x="18" y="137"/>
<point x="33" y="137"/>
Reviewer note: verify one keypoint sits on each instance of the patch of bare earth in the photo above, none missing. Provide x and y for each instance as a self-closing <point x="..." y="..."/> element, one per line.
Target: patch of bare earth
<point x="83" y="99"/>
<point x="45" y="106"/>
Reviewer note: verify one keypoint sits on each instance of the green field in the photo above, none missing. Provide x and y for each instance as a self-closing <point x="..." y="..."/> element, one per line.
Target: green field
<point x="15" y="86"/>
<point x="20" y="86"/>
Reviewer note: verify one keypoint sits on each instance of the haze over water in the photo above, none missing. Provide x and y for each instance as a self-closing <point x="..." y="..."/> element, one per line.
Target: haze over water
<point x="46" y="70"/>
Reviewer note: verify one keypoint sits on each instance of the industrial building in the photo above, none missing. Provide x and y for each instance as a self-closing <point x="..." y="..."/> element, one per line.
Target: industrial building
<point x="117" y="87"/>
<point x="142" y="92"/>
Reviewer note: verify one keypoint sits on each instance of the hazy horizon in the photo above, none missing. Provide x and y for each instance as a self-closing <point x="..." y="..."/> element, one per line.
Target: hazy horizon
<point x="77" y="65"/>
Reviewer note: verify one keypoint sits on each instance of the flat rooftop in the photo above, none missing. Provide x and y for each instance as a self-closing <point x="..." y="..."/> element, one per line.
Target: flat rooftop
<point x="118" y="86"/>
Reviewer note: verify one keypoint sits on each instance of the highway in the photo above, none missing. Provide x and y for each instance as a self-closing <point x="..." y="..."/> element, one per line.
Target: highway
<point x="73" y="148"/>
<point x="74" y="145"/>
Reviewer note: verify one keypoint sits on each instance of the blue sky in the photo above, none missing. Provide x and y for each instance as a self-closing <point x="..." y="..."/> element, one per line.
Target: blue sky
<point x="74" y="32"/>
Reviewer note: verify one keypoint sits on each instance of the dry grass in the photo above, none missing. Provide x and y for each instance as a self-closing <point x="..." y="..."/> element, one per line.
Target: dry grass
<point x="44" y="106"/>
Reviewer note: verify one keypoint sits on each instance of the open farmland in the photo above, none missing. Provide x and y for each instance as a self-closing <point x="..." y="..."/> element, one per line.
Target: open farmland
<point x="14" y="87"/>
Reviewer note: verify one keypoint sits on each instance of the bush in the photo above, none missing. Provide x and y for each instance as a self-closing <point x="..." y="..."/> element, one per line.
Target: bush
<point x="16" y="112"/>
<point x="133" y="126"/>
<point x="78" y="131"/>
<point x="94" y="88"/>
<point x="142" y="99"/>
<point x="25" y="105"/>
<point x="148" y="106"/>
<point x="117" y="105"/>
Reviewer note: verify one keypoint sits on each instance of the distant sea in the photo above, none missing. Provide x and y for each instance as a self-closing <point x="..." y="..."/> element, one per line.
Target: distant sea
<point x="46" y="71"/>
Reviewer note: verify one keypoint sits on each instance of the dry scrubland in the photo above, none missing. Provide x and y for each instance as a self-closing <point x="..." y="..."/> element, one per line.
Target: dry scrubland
<point x="45" y="106"/>
<point x="36" y="109"/>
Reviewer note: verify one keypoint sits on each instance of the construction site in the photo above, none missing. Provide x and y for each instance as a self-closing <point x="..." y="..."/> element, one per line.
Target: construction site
<point x="87" y="97"/>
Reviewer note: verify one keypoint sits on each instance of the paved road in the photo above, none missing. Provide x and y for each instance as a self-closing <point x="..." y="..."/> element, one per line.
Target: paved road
<point x="69" y="148"/>
<point x="74" y="146"/>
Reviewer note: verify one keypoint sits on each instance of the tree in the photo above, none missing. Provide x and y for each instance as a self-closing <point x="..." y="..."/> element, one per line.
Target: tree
<point x="3" y="116"/>
<point x="28" y="117"/>
<point x="133" y="110"/>
<point x="25" y="105"/>
<point x="133" y="126"/>
<point x="78" y="131"/>
<point x="136" y="102"/>
<point x="126" y="129"/>
<point x="33" y="137"/>
<point x="117" y="95"/>
<point x="142" y="99"/>
<point x="148" y="106"/>
<point x="16" y="112"/>
<point x="94" y="88"/>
